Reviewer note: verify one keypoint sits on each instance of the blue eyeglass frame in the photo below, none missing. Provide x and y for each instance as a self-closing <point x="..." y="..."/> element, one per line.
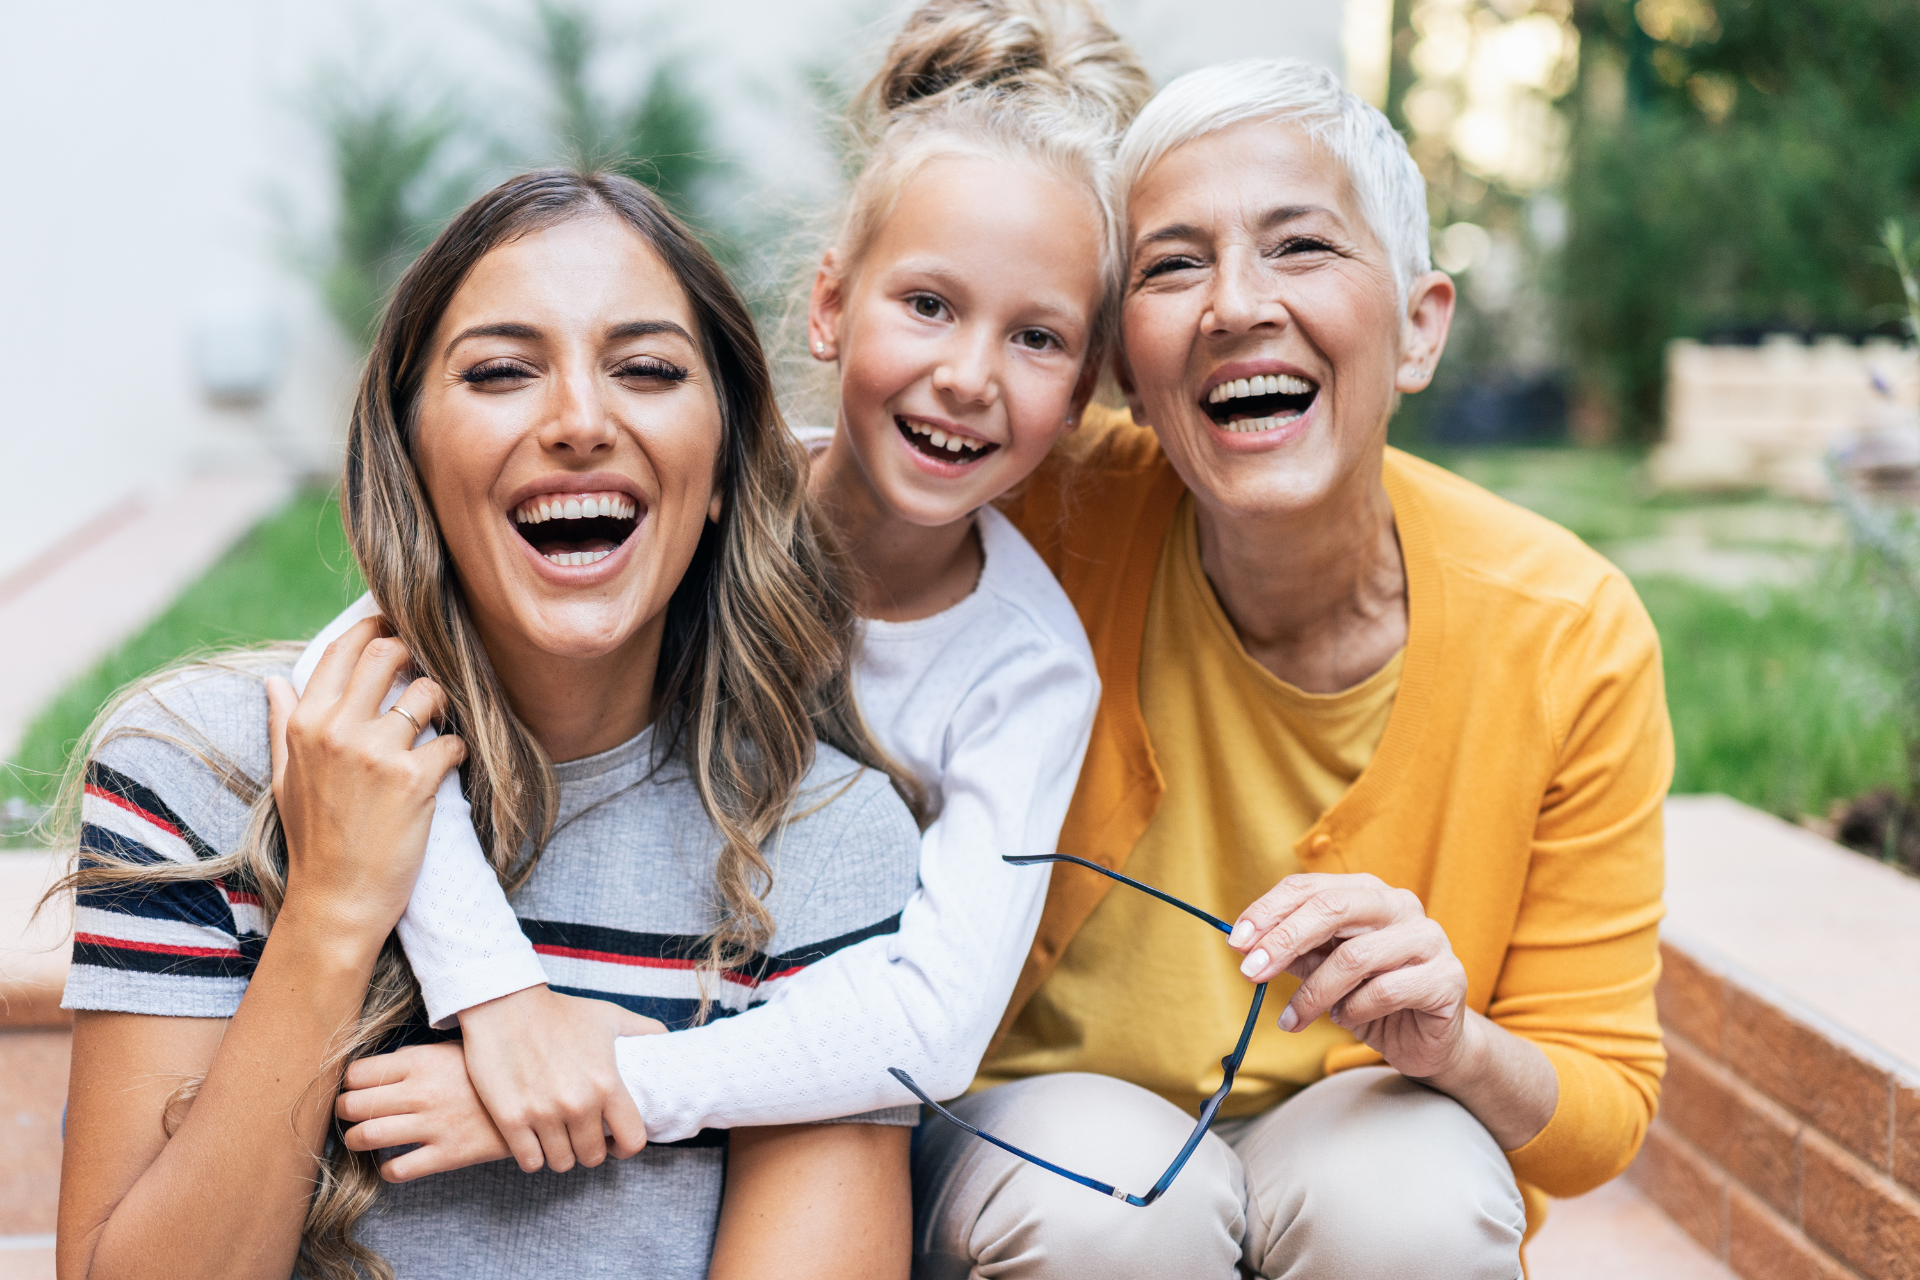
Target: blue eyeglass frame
<point x="1230" y="1064"/>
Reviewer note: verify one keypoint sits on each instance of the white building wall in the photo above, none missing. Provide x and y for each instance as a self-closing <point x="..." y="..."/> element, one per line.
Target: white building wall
<point x="162" y="172"/>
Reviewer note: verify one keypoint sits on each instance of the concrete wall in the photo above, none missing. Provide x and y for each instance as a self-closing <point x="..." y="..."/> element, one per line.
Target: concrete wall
<point x="165" y="177"/>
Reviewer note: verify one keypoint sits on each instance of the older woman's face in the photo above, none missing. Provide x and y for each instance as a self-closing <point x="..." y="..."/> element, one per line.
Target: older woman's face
<point x="569" y="432"/>
<point x="1262" y="331"/>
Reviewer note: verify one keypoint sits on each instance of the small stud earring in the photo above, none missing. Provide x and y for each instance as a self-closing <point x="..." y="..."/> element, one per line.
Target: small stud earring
<point x="819" y="348"/>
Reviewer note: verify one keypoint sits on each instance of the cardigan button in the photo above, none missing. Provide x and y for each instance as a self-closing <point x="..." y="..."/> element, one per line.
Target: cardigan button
<point x="1321" y="845"/>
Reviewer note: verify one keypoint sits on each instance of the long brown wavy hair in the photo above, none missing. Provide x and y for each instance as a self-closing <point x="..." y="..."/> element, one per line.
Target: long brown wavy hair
<point x="754" y="665"/>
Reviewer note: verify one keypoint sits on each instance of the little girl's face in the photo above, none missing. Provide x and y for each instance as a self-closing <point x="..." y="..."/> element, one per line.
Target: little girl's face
<point x="962" y="335"/>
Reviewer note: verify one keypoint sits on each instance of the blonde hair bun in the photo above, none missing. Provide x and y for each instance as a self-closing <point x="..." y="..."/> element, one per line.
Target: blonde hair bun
<point x="1060" y="49"/>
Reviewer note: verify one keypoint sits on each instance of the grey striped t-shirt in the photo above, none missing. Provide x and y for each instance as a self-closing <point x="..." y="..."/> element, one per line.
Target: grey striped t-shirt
<point x="615" y="907"/>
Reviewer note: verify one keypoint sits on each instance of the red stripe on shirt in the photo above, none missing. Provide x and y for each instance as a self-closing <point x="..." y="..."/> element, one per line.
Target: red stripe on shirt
<point x="650" y="962"/>
<point x="609" y="957"/>
<point x="158" y="948"/>
<point x="101" y="793"/>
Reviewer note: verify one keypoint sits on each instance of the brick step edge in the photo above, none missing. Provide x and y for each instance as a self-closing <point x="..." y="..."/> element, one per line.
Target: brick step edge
<point x="1787" y="1146"/>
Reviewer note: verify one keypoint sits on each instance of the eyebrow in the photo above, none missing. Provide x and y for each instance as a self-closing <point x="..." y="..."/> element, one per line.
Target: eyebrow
<point x="503" y="330"/>
<point x="647" y="328"/>
<point x="619" y="333"/>
<point x="1275" y="217"/>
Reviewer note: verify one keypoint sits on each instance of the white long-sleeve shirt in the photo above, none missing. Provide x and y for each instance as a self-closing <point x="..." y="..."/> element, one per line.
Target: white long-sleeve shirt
<point x="990" y="703"/>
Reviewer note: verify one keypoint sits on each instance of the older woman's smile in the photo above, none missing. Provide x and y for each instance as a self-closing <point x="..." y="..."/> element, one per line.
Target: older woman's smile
<point x="1256" y="396"/>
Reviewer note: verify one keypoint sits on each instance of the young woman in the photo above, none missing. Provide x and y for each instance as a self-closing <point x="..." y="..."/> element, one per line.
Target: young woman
<point x="564" y="341"/>
<point x="965" y="300"/>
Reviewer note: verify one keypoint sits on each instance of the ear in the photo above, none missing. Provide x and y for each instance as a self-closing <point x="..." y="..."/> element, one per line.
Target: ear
<point x="1123" y="374"/>
<point x="715" y="506"/>
<point x="824" y="311"/>
<point x="1423" y="333"/>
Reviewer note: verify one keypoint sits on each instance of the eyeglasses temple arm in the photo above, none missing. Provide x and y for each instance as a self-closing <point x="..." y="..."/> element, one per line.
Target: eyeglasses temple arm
<point x="1105" y="1189"/>
<point x="1230" y="1067"/>
<point x="1028" y="860"/>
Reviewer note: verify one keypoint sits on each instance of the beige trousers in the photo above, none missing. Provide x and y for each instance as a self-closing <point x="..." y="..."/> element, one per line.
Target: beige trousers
<point x="1363" y="1176"/>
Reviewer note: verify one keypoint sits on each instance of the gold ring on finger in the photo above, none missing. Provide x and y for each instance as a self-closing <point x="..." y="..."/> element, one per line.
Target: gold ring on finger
<point x="417" y="730"/>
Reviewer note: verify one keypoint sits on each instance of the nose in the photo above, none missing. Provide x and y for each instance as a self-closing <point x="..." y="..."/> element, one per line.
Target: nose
<point x="577" y="424"/>
<point x="1244" y="296"/>
<point x="968" y="370"/>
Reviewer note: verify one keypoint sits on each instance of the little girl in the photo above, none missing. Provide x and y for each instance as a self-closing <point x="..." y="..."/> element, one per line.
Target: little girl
<point x="967" y="301"/>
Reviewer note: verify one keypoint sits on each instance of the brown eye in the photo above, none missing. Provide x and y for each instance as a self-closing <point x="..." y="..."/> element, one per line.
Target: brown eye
<point x="926" y="306"/>
<point x="1036" y="339"/>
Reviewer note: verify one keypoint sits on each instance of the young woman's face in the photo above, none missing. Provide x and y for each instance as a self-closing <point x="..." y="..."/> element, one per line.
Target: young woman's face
<point x="962" y="335"/>
<point x="569" y="434"/>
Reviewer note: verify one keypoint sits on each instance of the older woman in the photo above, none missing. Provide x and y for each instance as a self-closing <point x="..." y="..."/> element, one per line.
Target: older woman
<point x="1409" y="738"/>
<point x="638" y="684"/>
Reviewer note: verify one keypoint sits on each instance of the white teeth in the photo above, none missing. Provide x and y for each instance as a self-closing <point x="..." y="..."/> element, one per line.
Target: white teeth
<point x="939" y="439"/>
<point x="1271" y="384"/>
<point x="588" y="507"/>
<point x="575" y="558"/>
<point x="954" y="443"/>
<point x="1259" y="424"/>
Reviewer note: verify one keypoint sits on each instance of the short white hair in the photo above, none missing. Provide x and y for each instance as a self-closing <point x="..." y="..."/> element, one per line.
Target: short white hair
<point x="1392" y="194"/>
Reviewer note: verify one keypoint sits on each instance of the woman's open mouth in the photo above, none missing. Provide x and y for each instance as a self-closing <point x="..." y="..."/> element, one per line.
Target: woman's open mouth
<point x="576" y="528"/>
<point x="1259" y="403"/>
<point x="935" y="442"/>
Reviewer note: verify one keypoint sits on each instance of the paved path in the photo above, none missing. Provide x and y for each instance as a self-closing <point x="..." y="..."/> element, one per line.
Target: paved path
<point x="74" y="605"/>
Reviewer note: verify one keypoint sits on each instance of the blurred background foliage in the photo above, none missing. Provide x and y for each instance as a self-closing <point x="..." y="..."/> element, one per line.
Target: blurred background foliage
<point x="405" y="158"/>
<point x="1609" y="175"/>
<point x="1729" y="168"/>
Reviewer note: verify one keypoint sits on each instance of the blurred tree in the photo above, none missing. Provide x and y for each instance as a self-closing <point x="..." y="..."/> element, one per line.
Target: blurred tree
<point x="395" y="189"/>
<point x="661" y="138"/>
<point x="1728" y="161"/>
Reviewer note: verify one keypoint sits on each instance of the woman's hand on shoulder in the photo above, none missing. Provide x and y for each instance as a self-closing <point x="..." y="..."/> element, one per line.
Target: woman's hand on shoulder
<point x="1368" y="957"/>
<point x="355" y="793"/>
<point x="543" y="1065"/>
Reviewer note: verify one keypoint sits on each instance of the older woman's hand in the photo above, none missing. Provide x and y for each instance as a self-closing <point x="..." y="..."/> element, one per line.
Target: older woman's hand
<point x="1369" y="958"/>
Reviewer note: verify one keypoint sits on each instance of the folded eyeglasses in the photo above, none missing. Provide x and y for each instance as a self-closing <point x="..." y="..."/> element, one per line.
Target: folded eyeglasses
<point x="1229" y="1065"/>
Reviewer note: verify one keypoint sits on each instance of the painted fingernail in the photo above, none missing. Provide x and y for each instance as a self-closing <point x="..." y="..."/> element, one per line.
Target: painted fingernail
<point x="1289" y="1019"/>
<point x="1256" y="961"/>
<point x="1242" y="934"/>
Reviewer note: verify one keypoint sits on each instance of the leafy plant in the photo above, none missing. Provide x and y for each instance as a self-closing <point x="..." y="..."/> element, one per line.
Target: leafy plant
<point x="1886" y="563"/>
<point x="661" y="138"/>
<point x="392" y="180"/>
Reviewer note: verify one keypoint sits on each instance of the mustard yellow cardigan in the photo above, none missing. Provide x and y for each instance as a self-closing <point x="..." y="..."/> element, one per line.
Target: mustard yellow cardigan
<point x="1517" y="789"/>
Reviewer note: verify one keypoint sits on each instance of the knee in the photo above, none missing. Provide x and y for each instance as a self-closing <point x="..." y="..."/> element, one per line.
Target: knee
<point x="1391" y="1179"/>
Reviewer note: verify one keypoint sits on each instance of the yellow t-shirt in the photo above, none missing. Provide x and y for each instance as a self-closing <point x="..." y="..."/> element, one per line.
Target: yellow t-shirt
<point x="1145" y="992"/>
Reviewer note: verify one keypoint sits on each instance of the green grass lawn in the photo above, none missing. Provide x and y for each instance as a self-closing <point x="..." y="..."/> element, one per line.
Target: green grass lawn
<point x="283" y="581"/>
<point x="1774" y="698"/>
